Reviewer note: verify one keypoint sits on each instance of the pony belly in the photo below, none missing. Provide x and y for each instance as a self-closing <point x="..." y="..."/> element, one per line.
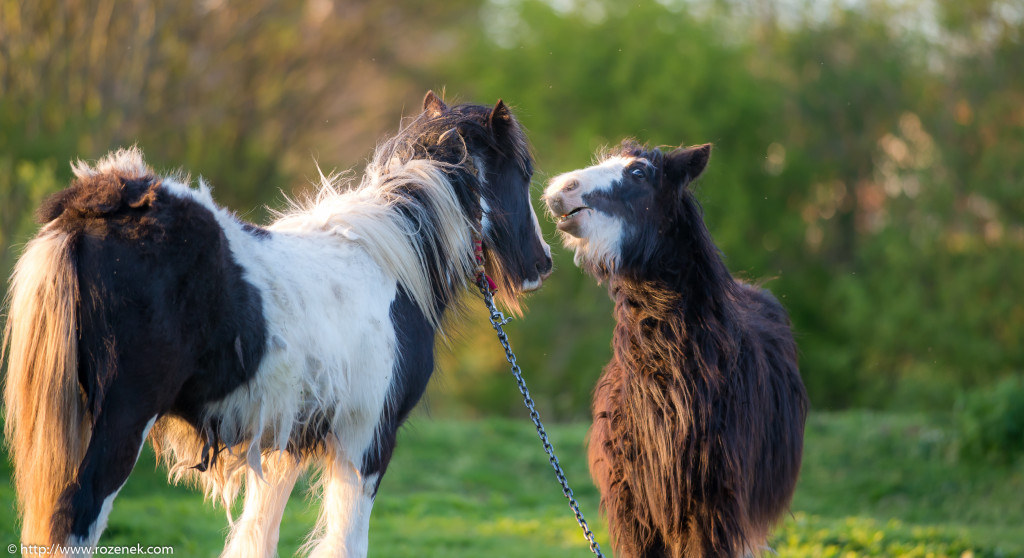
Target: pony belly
<point x="325" y="374"/>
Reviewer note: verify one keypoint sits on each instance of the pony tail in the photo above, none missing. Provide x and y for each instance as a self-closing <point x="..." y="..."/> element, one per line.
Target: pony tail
<point x="44" y="408"/>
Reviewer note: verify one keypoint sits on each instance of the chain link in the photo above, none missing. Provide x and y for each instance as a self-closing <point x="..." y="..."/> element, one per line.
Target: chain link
<point x="498" y="320"/>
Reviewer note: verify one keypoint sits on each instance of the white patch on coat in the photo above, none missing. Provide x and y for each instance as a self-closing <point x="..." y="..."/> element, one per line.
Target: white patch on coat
<point x="327" y="274"/>
<point x="331" y="350"/>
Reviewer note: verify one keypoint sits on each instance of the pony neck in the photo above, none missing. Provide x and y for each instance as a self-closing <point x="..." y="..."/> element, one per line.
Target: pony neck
<point x="446" y="217"/>
<point x="685" y="278"/>
<point x="410" y="216"/>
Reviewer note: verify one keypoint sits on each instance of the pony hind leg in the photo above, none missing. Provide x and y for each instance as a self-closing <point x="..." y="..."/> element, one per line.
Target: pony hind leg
<point x="126" y="400"/>
<point x="118" y="435"/>
<point x="255" y="534"/>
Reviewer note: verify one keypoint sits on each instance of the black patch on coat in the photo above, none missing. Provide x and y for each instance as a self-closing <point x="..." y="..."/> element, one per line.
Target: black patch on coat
<point x="255" y="230"/>
<point x="412" y="372"/>
<point x="167" y="322"/>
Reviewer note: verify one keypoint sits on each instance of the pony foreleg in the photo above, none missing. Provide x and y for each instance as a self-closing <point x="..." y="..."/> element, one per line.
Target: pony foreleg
<point x="343" y="528"/>
<point x="256" y="532"/>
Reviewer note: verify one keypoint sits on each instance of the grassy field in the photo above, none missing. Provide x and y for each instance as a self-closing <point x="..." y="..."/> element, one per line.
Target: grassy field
<point x="872" y="485"/>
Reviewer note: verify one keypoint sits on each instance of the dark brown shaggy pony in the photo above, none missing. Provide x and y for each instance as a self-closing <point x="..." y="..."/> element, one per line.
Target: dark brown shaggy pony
<point x="699" y="416"/>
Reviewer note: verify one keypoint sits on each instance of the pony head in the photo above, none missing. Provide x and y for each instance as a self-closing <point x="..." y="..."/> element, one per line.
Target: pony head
<point x="488" y="143"/>
<point x="617" y="215"/>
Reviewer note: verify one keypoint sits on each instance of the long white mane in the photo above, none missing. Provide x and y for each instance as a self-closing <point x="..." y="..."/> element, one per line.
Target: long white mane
<point x="394" y="227"/>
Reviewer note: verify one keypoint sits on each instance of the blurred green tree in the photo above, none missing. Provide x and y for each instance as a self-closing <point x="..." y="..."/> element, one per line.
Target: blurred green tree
<point x="837" y="174"/>
<point x="868" y="156"/>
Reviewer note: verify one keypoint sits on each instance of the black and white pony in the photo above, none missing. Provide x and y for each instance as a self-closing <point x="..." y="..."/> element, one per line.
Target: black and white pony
<point x="699" y="417"/>
<point x="246" y="353"/>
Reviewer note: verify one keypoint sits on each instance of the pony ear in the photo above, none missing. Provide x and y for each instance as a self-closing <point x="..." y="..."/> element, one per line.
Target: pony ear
<point x="433" y="105"/>
<point x="684" y="165"/>
<point x="500" y="115"/>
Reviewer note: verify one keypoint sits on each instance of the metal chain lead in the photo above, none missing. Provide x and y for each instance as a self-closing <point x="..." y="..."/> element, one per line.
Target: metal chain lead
<point x="497" y="321"/>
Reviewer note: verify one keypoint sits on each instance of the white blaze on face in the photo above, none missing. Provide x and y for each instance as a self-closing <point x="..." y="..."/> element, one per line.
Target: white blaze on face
<point x="594" y="236"/>
<point x="485" y="216"/>
<point x="485" y="208"/>
<point x="534" y="284"/>
<point x="486" y="223"/>
<point x="601" y="177"/>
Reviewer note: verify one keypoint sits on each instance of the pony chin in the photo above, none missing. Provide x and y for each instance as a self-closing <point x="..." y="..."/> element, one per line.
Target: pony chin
<point x="531" y="285"/>
<point x="511" y="287"/>
<point x="598" y="248"/>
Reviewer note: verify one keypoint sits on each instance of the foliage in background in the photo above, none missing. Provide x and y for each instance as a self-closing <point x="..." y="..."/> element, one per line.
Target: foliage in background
<point x="990" y="422"/>
<point x="868" y="165"/>
<point x="245" y="94"/>
<point x="868" y="156"/>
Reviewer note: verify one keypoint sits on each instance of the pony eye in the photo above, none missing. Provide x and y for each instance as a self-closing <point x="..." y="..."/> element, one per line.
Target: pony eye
<point x="637" y="172"/>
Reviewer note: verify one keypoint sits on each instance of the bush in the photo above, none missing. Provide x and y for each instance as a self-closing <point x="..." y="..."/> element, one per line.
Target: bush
<point x="990" y="422"/>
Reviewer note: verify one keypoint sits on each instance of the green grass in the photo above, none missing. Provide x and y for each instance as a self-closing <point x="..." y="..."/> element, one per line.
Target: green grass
<point x="872" y="485"/>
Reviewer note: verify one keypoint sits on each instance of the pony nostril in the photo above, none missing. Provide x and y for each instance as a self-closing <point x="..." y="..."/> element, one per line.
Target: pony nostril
<point x="571" y="185"/>
<point x="545" y="265"/>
